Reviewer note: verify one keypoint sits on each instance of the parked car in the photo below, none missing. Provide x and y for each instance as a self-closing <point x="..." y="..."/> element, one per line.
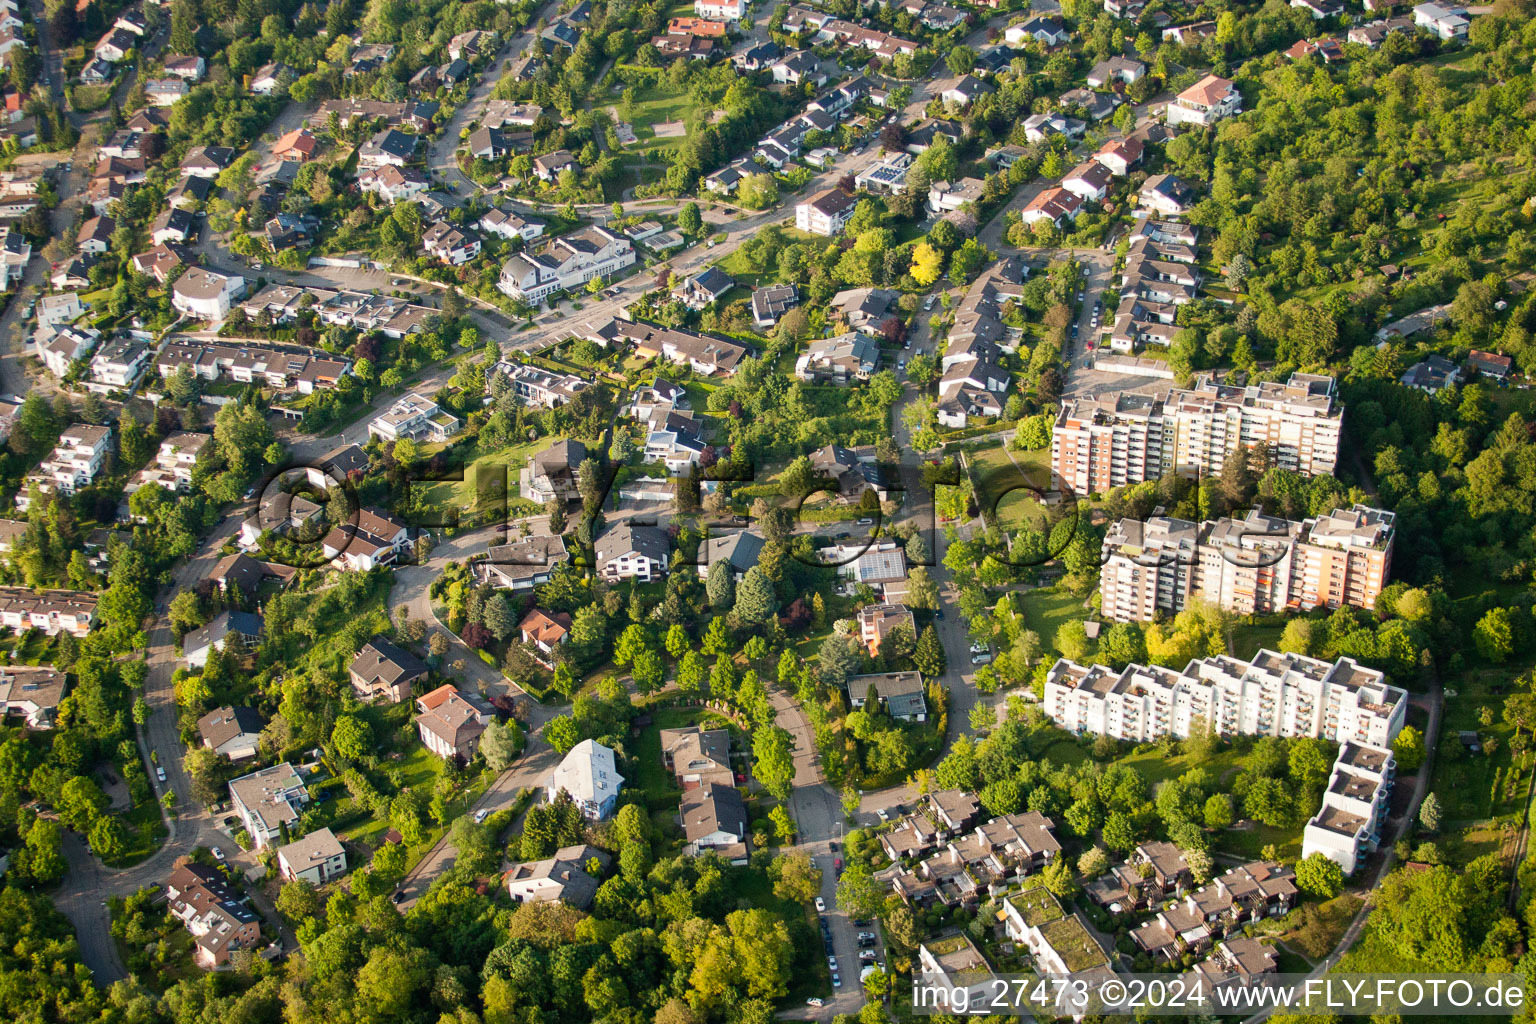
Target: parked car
<point x="821" y="905"/>
<point x="482" y="814"/>
<point x="813" y="1001"/>
<point x="218" y="854"/>
<point x="398" y="897"/>
<point x="837" y="981"/>
<point x="160" y="774"/>
<point x="832" y="962"/>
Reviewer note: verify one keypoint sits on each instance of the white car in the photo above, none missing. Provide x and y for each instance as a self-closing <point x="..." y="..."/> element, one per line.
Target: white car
<point x="837" y="980"/>
<point x="814" y="1001"/>
<point x="160" y="774"/>
<point x="832" y="962"/>
<point x="884" y="814"/>
<point x="821" y="905"/>
<point x="482" y="814"/>
<point x="218" y="854"/>
<point x="981" y="659"/>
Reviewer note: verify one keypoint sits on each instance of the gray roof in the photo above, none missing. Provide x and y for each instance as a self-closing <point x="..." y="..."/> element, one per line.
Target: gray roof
<point x="221" y="725"/>
<point x="649" y="541"/>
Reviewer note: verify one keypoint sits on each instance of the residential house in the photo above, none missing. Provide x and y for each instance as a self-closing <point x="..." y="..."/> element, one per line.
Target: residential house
<point x="947" y="196"/>
<point x="522" y="565"/>
<point x="864" y="309"/>
<point x="741" y="548"/>
<point x="704" y="289"/>
<point x="1490" y="364"/>
<point x="697" y="757"/>
<point x="770" y="302"/>
<point x="268" y="802"/>
<point x="451" y="722"/>
<point x="839" y="360"/>
<point x="95" y="235"/>
<point x="414" y="416"/>
<point x="549" y="166"/>
<point x="562" y="877"/>
<point x="714" y="819"/>
<point x="876" y="621"/>
<point x="1055" y="204"/>
<point x="1048" y="31"/>
<point x="317" y="858"/>
<point x="1089" y="181"/>
<point x="191" y="68"/>
<point x="205" y="295"/>
<point x="1117" y="69"/>
<point x="269" y="78"/>
<point x="373" y="538"/>
<point x="567" y="263"/>
<point x="67" y="346"/>
<point x="826" y="212"/>
<point x="589" y="775"/>
<point x="849" y="471"/>
<point x="229" y="630"/>
<point x="231" y="732"/>
<point x="545" y="632"/>
<point x="535" y="386"/>
<point x="164" y="92"/>
<point x="1056" y="938"/>
<point x="388" y="147"/>
<point x="173" y="225"/>
<point x="625" y="551"/>
<point x="51" y="611"/>
<point x="32" y="693"/>
<point x="393" y="184"/>
<point x="298" y="145"/>
<point x="239" y="574"/>
<point x="384" y="671"/>
<point x="901" y="694"/>
<point x="1207" y="101"/>
<point x="721" y="10"/>
<point x="510" y="225"/>
<point x="1166" y="195"/>
<point x="73" y="464"/>
<point x="219" y="920"/>
<point x="552" y="472"/>
<point x="449" y="244"/>
<point x="1449" y="22"/>
<point x="207" y="161"/>
<point x="966" y="90"/>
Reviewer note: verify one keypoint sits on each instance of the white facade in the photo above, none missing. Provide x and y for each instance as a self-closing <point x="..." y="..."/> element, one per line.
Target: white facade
<point x="317" y="858"/>
<point x="204" y="295"/>
<point x="1355" y="806"/>
<point x="72" y="465"/>
<point x="414" y="416"/>
<point x="589" y="773"/>
<point x="1204" y="103"/>
<point x="720" y="10"/>
<point x="568" y="263"/>
<point x="1283" y="695"/>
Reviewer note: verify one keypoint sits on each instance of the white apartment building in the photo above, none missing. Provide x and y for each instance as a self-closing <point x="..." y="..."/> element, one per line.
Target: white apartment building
<point x="826" y="213"/>
<point x="317" y="858"/>
<point x="173" y="465"/>
<point x="267" y="800"/>
<point x="82" y="449"/>
<point x="72" y="611"/>
<point x="568" y="262"/>
<point x="204" y="295"/>
<point x="720" y="10"/>
<point x="1355" y="806"/>
<point x="1127" y="438"/>
<point x="1257" y="564"/>
<point x="1206" y="102"/>
<point x="1285" y="695"/>
<point x="117" y="365"/>
<point x="1448" y="21"/>
<point x="60" y="352"/>
<point x="537" y="387"/>
<point x="415" y="417"/>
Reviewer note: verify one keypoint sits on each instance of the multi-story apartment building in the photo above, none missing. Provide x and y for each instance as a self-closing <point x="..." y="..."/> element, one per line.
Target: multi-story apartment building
<point x="536" y="386"/>
<point x="826" y="212"/>
<point x="568" y="262"/>
<point x="220" y="921"/>
<point x="1275" y="694"/>
<point x="267" y="800"/>
<point x="1206" y="102"/>
<point x="72" y="465"/>
<point x="173" y="466"/>
<point x="253" y="364"/>
<point x="414" y="416"/>
<point x="1111" y="441"/>
<point x="1255" y="565"/>
<point x="1355" y="806"/>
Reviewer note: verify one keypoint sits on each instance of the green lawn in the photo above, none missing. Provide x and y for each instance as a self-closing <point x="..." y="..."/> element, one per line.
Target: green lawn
<point x="1246" y="641"/>
<point x="661" y="790"/>
<point x="486" y="479"/>
<point x="1045" y="611"/>
<point x="1248" y="843"/>
<point x="1463" y="780"/>
<point x="146" y="831"/>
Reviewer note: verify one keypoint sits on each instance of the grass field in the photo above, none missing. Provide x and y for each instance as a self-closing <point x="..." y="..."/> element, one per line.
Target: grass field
<point x="1463" y="780"/>
<point x="1246" y="641"/>
<point x="1047" y="609"/>
<point x="486" y="480"/>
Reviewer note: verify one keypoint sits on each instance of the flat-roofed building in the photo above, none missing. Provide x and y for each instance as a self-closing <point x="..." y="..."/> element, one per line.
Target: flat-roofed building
<point x="1286" y="695"/>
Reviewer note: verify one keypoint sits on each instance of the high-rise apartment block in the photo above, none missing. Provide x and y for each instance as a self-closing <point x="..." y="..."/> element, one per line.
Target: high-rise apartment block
<point x="1109" y="441"/>
<point x="1255" y="565"/>
<point x="1275" y="694"/>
